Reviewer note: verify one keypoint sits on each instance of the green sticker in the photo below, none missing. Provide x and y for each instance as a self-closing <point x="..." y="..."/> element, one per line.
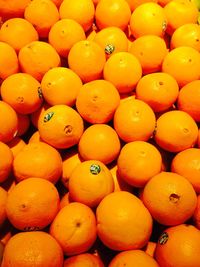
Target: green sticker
<point x="48" y="116"/>
<point x="95" y="169"/>
<point x="109" y="49"/>
<point x="163" y="238"/>
<point x="40" y="92"/>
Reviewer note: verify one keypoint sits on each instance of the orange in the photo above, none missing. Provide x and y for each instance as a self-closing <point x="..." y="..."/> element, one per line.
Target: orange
<point x="8" y="122"/>
<point x="138" y="162"/>
<point x="119" y="183"/>
<point x="32" y="248"/>
<point x="65" y="200"/>
<point x="43" y="14"/>
<point x="112" y="40"/>
<point x="64" y="34"/>
<point x="186" y="35"/>
<point x="84" y="259"/>
<point x="163" y="2"/>
<point x="135" y="3"/>
<point x="61" y="126"/>
<point x="77" y="233"/>
<point x="148" y="18"/>
<point x="71" y="159"/>
<point x="133" y="258"/>
<point x="150" y="50"/>
<point x="179" y="246"/>
<point x="60" y="86"/>
<point x="113" y="13"/>
<point x="97" y="101"/>
<point x="99" y="142"/>
<point x="32" y="204"/>
<point x="35" y="137"/>
<point x="123" y="70"/>
<point x="46" y="160"/>
<point x="186" y="59"/>
<point x="159" y="90"/>
<point x="185" y="11"/>
<point x="170" y="198"/>
<point x="22" y="92"/>
<point x="36" y="58"/>
<point x="186" y="163"/>
<point x="3" y="201"/>
<point x="23" y="124"/>
<point x="16" y="145"/>
<point x="13" y="8"/>
<point x="87" y="59"/>
<point x="8" y="61"/>
<point x="81" y="11"/>
<point x="6" y="160"/>
<point x="175" y="131"/>
<point x="118" y="215"/>
<point x="150" y="248"/>
<point x="189" y="99"/>
<point x="18" y="32"/>
<point x="84" y="182"/>
<point x="196" y="215"/>
<point x="198" y="139"/>
<point x="39" y="112"/>
<point x="134" y="120"/>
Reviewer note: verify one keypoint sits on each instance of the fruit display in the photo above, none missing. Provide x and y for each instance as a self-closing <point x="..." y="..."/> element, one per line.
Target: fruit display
<point x="99" y="133"/>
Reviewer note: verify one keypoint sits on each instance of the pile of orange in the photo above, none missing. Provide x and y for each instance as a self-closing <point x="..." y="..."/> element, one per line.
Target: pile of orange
<point x="99" y="133"/>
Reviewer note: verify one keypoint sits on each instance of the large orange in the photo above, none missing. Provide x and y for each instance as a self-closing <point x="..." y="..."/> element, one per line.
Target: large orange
<point x="32" y="249"/>
<point x="32" y="204"/>
<point x="74" y="228"/>
<point x="118" y="217"/>
<point x="178" y="246"/>
<point x="61" y="126"/>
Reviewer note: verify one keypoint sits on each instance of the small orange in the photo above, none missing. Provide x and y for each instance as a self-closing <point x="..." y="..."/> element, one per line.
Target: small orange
<point x="175" y="131"/>
<point x="8" y="122"/>
<point x="123" y="70"/>
<point x="113" y="13"/>
<point x="8" y="61"/>
<point x="3" y="201"/>
<point x="65" y="200"/>
<point x="118" y="215"/>
<point x="180" y="12"/>
<point x="61" y="126"/>
<point x="133" y="258"/>
<point x="16" y="145"/>
<point x="70" y="160"/>
<point x="87" y="59"/>
<point x="14" y="28"/>
<point x="32" y="248"/>
<point x="150" y="50"/>
<point x="186" y="35"/>
<point x="189" y="99"/>
<point x="46" y="160"/>
<point x="6" y="160"/>
<point x="77" y="233"/>
<point x="23" y="124"/>
<point x="138" y="162"/>
<point x="64" y="34"/>
<point x="39" y="112"/>
<point x="35" y="137"/>
<point x="112" y="40"/>
<point x="84" y="182"/>
<point x="81" y="11"/>
<point x="186" y="163"/>
<point x="22" y="92"/>
<point x="36" y="58"/>
<point x="42" y="14"/>
<point x="159" y="90"/>
<point x="85" y="259"/>
<point x="134" y="120"/>
<point x="97" y="101"/>
<point x="13" y="8"/>
<point x="150" y="248"/>
<point x="60" y="86"/>
<point x="179" y="246"/>
<point x="32" y="204"/>
<point x="170" y="198"/>
<point x="163" y="2"/>
<point x="148" y="18"/>
<point x="90" y="144"/>
<point x="186" y="59"/>
<point x="135" y="3"/>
